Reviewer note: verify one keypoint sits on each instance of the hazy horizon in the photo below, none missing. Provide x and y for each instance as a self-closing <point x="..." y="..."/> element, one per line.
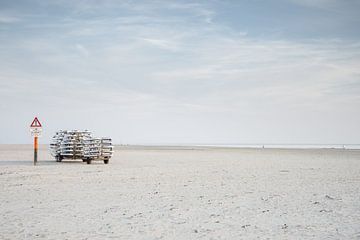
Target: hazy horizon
<point x="180" y="72"/>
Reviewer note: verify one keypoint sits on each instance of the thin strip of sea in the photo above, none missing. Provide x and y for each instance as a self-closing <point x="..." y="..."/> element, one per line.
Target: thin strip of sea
<point x="286" y="146"/>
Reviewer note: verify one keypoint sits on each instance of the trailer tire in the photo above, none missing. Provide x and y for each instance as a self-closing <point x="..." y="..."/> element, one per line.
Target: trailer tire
<point x="88" y="161"/>
<point x="106" y="161"/>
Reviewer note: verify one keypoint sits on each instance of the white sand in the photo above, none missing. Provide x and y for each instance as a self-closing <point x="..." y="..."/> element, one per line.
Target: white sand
<point x="204" y="193"/>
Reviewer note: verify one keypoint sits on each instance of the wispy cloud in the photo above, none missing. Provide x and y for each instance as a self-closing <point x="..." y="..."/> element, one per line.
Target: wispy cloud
<point x="174" y="65"/>
<point x="315" y="3"/>
<point x="161" y="43"/>
<point x="84" y="51"/>
<point x="9" y="19"/>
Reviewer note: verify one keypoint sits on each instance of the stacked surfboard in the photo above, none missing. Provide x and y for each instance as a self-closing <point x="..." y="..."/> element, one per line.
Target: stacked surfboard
<point x="55" y="144"/>
<point x="92" y="148"/>
<point x="106" y="149"/>
<point x="80" y="145"/>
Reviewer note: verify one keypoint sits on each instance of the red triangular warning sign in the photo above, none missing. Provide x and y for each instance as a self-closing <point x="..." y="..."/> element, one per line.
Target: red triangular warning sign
<point x="35" y="123"/>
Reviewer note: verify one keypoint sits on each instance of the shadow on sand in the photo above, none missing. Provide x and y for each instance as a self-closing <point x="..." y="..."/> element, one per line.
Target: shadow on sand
<point x="39" y="163"/>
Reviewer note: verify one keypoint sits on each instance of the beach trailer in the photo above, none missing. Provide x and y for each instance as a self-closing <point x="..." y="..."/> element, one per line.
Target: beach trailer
<point x="77" y="144"/>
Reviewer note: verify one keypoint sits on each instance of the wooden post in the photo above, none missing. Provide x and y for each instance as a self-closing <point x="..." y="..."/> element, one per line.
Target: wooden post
<point x="35" y="149"/>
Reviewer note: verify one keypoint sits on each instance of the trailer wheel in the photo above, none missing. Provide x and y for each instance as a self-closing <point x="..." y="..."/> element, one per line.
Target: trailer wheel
<point x="88" y="161"/>
<point x="106" y="161"/>
<point x="58" y="158"/>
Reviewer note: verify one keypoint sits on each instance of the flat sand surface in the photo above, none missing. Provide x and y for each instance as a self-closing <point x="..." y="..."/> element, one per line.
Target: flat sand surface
<point x="182" y="193"/>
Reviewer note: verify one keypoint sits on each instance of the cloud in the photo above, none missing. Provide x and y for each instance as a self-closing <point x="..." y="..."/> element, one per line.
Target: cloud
<point x="9" y="19"/>
<point x="161" y="43"/>
<point x="83" y="51"/>
<point x="173" y="66"/>
<point x="315" y="3"/>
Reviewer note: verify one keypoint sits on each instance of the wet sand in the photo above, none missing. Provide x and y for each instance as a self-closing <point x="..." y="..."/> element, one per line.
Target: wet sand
<point x="182" y="193"/>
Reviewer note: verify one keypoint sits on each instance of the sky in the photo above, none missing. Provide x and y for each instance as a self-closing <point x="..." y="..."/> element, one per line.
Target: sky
<point x="182" y="72"/>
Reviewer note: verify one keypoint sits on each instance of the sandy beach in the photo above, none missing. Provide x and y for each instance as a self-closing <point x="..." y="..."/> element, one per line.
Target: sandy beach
<point x="182" y="193"/>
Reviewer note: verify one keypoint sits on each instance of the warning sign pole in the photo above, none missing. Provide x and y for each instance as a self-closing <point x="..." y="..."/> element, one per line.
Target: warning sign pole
<point x="35" y="129"/>
<point x="35" y="149"/>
